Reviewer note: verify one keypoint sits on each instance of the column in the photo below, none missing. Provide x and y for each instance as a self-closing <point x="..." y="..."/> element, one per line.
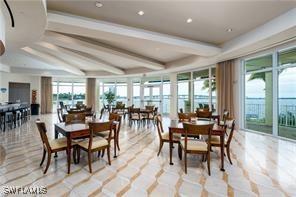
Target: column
<point x="129" y="92"/>
<point x="174" y="96"/>
<point x="2" y="32"/>
<point x="142" y="103"/>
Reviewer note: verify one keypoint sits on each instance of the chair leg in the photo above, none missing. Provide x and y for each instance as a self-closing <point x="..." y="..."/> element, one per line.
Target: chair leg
<point x="228" y="154"/>
<point x="99" y="153"/>
<point x="103" y="153"/>
<point x="117" y="142"/>
<point x="209" y="163"/>
<point x="78" y="154"/>
<point x="43" y="157"/>
<point x="89" y="162"/>
<point x="160" y="147"/>
<point x="180" y="151"/>
<point x="108" y="154"/>
<point x="185" y="159"/>
<point x="48" y="161"/>
<point x="75" y="155"/>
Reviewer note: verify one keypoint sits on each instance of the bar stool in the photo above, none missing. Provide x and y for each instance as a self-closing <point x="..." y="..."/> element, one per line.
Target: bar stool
<point x="17" y="115"/>
<point x="9" y="119"/>
<point x="2" y="120"/>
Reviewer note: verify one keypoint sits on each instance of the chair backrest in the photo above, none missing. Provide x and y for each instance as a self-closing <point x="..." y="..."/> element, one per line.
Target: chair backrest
<point x="204" y="114"/>
<point x="42" y="131"/>
<point x="183" y="117"/>
<point x="159" y="125"/>
<point x="96" y="127"/>
<point x="135" y="110"/>
<point x="116" y="117"/>
<point x="60" y="114"/>
<point x="193" y="129"/>
<point x="229" y="126"/>
<point x="75" y="118"/>
<point x="102" y="112"/>
<point x="149" y="107"/>
<point x="62" y="104"/>
<point x="225" y="115"/>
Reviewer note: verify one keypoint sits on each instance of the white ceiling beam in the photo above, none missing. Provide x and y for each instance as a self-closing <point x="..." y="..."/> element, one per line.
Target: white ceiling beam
<point x="77" y="25"/>
<point x="95" y="49"/>
<point x="52" y="60"/>
<point x="75" y="58"/>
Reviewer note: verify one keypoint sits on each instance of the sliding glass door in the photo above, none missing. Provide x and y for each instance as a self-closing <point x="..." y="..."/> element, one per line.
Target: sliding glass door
<point x="287" y="94"/>
<point x="270" y="93"/>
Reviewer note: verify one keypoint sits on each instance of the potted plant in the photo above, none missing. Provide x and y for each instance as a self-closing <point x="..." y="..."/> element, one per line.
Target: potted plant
<point x="110" y="97"/>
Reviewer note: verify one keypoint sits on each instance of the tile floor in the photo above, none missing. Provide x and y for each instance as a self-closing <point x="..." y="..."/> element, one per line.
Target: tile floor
<point x="262" y="166"/>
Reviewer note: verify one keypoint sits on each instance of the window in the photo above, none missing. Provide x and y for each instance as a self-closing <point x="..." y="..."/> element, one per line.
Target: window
<point x="287" y="94"/>
<point x="201" y="89"/>
<point x="258" y="94"/>
<point x="121" y="92"/>
<point x="118" y="87"/>
<point x="68" y="92"/>
<point x="198" y="92"/>
<point x="136" y="94"/>
<point x="166" y="95"/>
<point x="270" y="93"/>
<point x="184" y="91"/>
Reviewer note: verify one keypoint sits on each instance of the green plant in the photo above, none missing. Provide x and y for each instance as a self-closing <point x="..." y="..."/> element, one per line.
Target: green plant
<point x="110" y="97"/>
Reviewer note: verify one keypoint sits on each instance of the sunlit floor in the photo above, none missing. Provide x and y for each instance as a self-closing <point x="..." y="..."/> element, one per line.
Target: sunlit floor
<point x="262" y="166"/>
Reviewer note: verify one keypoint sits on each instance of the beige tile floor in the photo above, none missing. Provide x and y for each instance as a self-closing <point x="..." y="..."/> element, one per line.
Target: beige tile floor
<point x="262" y="166"/>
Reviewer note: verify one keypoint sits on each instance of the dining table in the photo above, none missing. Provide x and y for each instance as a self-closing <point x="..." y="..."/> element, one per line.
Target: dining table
<point x="177" y="127"/>
<point x="78" y="131"/>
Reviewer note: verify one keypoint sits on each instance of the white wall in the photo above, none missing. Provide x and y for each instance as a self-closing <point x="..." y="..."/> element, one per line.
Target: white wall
<point x="5" y="78"/>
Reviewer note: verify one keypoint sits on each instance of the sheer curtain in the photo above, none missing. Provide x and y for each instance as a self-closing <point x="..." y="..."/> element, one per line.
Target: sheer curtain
<point x="46" y="95"/>
<point x="91" y="92"/>
<point x="225" y="83"/>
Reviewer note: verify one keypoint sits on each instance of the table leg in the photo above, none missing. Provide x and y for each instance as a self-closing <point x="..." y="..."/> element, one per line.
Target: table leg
<point x="171" y="147"/>
<point x="69" y="152"/>
<point x="222" y="152"/>
<point x="56" y="135"/>
<point x="115" y="141"/>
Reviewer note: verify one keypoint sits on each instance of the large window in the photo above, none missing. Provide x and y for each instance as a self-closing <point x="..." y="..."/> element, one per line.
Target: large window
<point x="287" y="93"/>
<point x="118" y="87"/>
<point x="197" y="90"/>
<point x="166" y="98"/>
<point x="258" y="94"/>
<point x="184" y="91"/>
<point x="69" y="92"/>
<point x="270" y="93"/>
<point x="136" y="93"/>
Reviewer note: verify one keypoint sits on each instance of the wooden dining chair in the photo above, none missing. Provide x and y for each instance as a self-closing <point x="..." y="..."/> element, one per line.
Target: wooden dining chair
<point x="51" y="146"/>
<point x="60" y="114"/>
<point x="196" y="146"/>
<point x="224" y="117"/>
<point x="164" y="137"/>
<point x="229" y="130"/>
<point x="75" y="118"/>
<point x="95" y="144"/>
<point x="135" y="116"/>
<point x="204" y="115"/>
<point x="183" y="117"/>
<point x="105" y="134"/>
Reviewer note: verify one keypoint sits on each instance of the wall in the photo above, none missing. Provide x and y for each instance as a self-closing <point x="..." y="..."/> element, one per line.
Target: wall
<point x="5" y="78"/>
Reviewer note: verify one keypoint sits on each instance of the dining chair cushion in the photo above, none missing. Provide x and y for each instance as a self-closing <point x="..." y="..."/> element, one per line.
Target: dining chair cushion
<point x="136" y="117"/>
<point x="195" y="145"/>
<point x="216" y="140"/>
<point x="58" y="143"/>
<point x="96" y="143"/>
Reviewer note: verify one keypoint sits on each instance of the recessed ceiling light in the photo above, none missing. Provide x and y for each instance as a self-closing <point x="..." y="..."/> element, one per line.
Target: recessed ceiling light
<point x="99" y="4"/>
<point x="189" y="20"/>
<point x="229" y="30"/>
<point x="141" y="13"/>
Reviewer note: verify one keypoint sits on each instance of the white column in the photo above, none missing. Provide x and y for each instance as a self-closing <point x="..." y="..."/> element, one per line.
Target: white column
<point x="174" y="95"/>
<point x="129" y="92"/>
<point x="2" y="27"/>
<point x="142" y="95"/>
